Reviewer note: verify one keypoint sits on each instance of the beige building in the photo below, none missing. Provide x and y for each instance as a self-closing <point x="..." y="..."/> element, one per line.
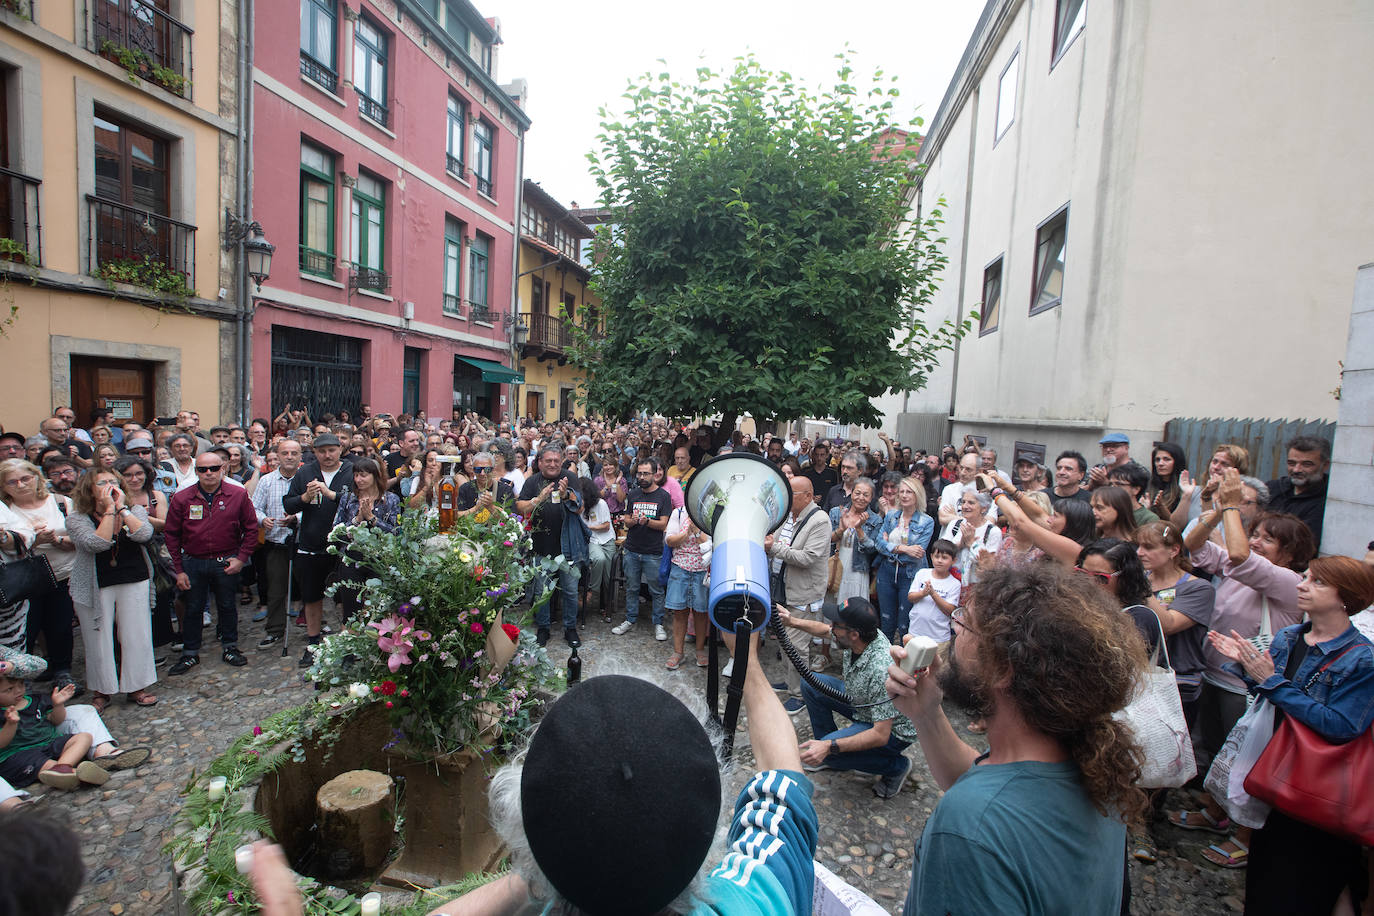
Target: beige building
<point x="118" y="155"/>
<point x="1157" y="208"/>
<point x="553" y="292"/>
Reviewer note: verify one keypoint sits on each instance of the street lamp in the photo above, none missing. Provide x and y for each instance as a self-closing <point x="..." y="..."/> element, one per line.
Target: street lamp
<point x="257" y="250"/>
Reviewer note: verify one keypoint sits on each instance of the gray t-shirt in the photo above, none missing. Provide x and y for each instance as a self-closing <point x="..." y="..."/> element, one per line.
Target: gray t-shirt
<point x="1193" y="598"/>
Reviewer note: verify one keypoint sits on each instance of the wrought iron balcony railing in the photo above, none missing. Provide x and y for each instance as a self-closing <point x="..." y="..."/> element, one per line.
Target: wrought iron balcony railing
<point x="21" y="220"/>
<point x="369" y="278"/>
<point x="484" y="184"/>
<point x="483" y="313"/>
<point x="145" y="41"/>
<point x="373" y="109"/>
<point x="453" y="305"/>
<point x="129" y="245"/>
<point x="453" y="164"/>
<point x="314" y="261"/>
<point x="319" y="73"/>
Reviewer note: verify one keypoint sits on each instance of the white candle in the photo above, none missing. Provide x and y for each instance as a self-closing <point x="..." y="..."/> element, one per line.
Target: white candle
<point x="217" y="785"/>
<point x="372" y="904"/>
<point x="243" y="859"/>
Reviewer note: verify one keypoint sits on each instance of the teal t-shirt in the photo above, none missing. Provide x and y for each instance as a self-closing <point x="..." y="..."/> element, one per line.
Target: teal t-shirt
<point x="1018" y="838"/>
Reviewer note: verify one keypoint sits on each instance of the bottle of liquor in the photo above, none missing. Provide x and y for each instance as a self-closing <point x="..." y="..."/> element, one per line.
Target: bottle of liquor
<point x="447" y="497"/>
<point x="574" y="666"/>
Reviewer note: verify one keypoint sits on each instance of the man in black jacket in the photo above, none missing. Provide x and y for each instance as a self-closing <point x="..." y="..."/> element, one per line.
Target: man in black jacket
<point x="1303" y="491"/>
<point x="314" y="494"/>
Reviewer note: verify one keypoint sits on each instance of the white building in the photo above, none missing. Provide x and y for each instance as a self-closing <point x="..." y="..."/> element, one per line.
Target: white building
<point x="1158" y="208"/>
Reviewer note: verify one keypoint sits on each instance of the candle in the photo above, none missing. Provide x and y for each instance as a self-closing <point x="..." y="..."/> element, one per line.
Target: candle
<point x="217" y="785"/>
<point x="243" y="859"/>
<point x="372" y="904"/>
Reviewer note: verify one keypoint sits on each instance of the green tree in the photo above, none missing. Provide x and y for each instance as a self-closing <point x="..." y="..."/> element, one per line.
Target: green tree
<point x="760" y="258"/>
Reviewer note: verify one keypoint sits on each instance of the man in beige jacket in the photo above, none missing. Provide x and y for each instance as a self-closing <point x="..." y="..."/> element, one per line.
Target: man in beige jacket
<point x="805" y="571"/>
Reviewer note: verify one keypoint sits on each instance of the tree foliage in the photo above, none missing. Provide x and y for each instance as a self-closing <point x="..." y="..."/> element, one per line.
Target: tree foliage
<point x="759" y="258"/>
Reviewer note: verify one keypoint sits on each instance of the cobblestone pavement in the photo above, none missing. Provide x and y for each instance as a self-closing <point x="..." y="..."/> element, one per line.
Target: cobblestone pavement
<point x="866" y="841"/>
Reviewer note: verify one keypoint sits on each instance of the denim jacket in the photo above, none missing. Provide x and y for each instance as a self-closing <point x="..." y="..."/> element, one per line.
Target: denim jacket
<point x="866" y="544"/>
<point x="918" y="532"/>
<point x="1338" y="703"/>
<point x="575" y="535"/>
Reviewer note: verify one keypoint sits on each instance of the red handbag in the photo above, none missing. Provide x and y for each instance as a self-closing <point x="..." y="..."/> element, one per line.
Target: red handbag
<point x="1319" y="783"/>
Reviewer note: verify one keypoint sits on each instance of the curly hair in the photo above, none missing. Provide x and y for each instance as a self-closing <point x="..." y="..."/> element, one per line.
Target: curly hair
<point x="1069" y="660"/>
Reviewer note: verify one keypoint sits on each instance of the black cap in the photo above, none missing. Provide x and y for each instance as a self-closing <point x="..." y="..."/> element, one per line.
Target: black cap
<point x="857" y="614"/>
<point x="654" y="773"/>
<point x="327" y="439"/>
<point x="17" y="437"/>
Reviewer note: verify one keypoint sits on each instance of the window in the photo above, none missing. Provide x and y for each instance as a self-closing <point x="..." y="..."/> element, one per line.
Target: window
<point x="317" y="211"/>
<point x="130" y="166"/>
<point x="1048" y="284"/>
<point x="319" y="25"/>
<point x="369" y="224"/>
<point x="142" y="36"/>
<point x="481" y="157"/>
<point x="369" y="70"/>
<point x="453" y="267"/>
<point x="1006" y="96"/>
<point x="992" y="298"/>
<point x="478" y="253"/>
<point x="1069" y="16"/>
<point x="457" y="119"/>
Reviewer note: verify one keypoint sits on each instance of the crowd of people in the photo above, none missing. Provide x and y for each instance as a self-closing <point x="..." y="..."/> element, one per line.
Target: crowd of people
<point x="1045" y="587"/>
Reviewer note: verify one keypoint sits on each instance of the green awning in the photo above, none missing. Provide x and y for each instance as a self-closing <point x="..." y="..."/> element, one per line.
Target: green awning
<point x="495" y="372"/>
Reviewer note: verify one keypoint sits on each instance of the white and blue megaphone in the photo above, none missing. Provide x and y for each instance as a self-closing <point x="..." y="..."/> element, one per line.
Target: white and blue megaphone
<point x="738" y="498"/>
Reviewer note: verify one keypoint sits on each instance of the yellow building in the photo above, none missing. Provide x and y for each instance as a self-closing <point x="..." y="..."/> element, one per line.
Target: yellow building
<point x="118" y="155"/>
<point x="551" y="292"/>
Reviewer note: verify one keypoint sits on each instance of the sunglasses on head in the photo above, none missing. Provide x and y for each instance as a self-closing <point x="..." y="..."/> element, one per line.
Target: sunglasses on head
<point x="1101" y="576"/>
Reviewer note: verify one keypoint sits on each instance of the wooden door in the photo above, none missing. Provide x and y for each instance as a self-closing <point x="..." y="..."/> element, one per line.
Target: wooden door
<point x="534" y="402"/>
<point x="123" y="385"/>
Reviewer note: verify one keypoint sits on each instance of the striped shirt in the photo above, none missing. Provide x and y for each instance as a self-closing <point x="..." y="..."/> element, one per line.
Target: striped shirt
<point x="267" y="501"/>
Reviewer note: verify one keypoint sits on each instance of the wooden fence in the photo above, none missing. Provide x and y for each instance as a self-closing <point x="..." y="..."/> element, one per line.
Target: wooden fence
<point x="1264" y="439"/>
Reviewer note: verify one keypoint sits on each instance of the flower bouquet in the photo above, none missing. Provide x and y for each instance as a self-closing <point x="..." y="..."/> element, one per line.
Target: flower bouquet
<point x="435" y="643"/>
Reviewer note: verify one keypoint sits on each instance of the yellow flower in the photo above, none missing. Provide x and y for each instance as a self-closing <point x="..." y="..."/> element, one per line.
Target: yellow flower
<point x="465" y="557"/>
<point x="482" y="517"/>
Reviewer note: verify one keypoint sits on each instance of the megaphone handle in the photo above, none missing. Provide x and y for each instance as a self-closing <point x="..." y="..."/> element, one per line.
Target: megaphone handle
<point x="734" y="693"/>
<point x="713" y="675"/>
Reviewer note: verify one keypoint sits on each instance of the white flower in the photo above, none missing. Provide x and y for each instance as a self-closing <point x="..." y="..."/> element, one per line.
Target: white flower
<point x="358" y="691"/>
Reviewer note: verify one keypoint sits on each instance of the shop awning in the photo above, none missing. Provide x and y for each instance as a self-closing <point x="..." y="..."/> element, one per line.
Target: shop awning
<point x="495" y="372"/>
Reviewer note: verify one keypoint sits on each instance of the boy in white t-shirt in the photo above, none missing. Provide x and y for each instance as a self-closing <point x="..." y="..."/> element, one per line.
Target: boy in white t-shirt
<point x="934" y="594"/>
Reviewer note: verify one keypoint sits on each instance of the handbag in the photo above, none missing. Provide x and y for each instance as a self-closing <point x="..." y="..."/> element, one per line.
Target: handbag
<point x="27" y="577"/>
<point x="832" y="584"/>
<point x="1315" y="781"/>
<point x="1155" y="716"/>
<point x="1226" y="777"/>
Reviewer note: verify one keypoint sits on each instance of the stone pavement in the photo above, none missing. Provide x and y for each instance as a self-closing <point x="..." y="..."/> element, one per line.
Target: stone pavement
<point x="865" y="840"/>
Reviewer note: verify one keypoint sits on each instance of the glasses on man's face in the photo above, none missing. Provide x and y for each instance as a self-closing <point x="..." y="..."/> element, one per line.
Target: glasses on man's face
<point x="481" y="468"/>
<point x="1102" y="577"/>
<point x="140" y="452"/>
<point x="960" y="616"/>
<point x="208" y="468"/>
<point x="63" y="472"/>
<point x="13" y="447"/>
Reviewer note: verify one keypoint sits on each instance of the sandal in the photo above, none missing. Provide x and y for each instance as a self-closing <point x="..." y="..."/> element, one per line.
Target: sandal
<point x="1219" y="857"/>
<point x="1143" y="848"/>
<point x="142" y="698"/>
<point x="100" y="701"/>
<point x="703" y="660"/>
<point x="1182" y="820"/>
<point x="675" y="661"/>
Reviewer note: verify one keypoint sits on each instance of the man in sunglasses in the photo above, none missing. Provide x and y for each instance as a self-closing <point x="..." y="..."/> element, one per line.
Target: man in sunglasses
<point x="485" y="489"/>
<point x="211" y="533"/>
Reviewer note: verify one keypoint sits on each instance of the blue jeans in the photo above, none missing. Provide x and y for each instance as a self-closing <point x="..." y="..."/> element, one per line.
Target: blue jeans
<point x="893" y="583"/>
<point x="209" y="578"/>
<point x="567" y="592"/>
<point x="642" y="566"/>
<point x="881" y="761"/>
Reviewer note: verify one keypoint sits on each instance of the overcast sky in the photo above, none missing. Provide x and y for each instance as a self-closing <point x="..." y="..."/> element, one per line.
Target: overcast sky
<point x="578" y="57"/>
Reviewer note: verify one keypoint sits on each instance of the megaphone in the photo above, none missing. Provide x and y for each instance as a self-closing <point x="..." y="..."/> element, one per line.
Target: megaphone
<point x="738" y="498"/>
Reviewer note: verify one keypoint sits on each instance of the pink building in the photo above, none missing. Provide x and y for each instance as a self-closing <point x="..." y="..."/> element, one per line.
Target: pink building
<point x="386" y="169"/>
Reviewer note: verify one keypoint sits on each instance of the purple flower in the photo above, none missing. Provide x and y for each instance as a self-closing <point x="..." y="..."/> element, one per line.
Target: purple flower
<point x="230" y="897"/>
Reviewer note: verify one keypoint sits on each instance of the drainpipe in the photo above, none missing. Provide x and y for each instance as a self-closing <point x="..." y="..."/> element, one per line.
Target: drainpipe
<point x="515" y="269"/>
<point x="243" y="197"/>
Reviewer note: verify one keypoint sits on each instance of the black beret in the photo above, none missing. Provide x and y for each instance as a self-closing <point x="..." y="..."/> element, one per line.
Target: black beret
<point x="619" y="796"/>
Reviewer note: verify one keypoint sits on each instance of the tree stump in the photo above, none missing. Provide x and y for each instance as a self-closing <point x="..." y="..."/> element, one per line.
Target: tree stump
<point x="356" y="820"/>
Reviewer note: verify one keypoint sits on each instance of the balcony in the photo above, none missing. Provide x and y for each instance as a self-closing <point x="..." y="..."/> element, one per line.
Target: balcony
<point x="484" y="184"/>
<point x="372" y="110"/>
<point x="368" y="278"/>
<point x="453" y="164"/>
<point x="145" y="41"/>
<point x="483" y="313"/>
<point x="319" y="263"/>
<point x="129" y="245"/>
<point x="23" y="7"/>
<point x="21" y="224"/>
<point x="318" y="73"/>
<point x="549" y="336"/>
<point x="453" y="306"/>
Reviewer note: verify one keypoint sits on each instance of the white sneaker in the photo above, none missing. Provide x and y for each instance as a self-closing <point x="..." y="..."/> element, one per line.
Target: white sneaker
<point x="205" y="618"/>
<point x="622" y="628"/>
<point x="729" y="668"/>
<point x="659" y="633"/>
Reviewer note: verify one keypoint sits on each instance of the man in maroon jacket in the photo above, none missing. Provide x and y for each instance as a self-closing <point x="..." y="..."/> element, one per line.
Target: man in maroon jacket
<point x="211" y="533"/>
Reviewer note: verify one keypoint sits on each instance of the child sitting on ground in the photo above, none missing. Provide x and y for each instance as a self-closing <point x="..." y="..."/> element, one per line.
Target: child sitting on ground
<point x="41" y="739"/>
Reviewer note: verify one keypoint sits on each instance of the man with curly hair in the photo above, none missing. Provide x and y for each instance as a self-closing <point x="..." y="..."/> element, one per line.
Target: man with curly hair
<point x="1038" y="823"/>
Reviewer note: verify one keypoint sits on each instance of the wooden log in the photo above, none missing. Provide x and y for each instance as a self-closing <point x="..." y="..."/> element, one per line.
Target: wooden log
<point x="356" y="819"/>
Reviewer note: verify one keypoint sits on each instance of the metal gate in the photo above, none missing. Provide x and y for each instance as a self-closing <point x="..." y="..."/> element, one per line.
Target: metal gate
<point x="321" y="372"/>
<point x="1263" y="439"/>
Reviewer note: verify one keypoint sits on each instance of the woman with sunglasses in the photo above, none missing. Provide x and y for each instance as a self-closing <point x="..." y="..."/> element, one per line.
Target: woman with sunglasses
<point x="1262" y="567"/>
<point x="485" y="490"/>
